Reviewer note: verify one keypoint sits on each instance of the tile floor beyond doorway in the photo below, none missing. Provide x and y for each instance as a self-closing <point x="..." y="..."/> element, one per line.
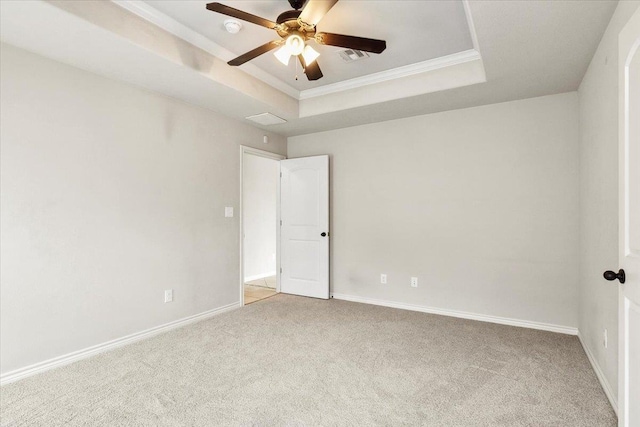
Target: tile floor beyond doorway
<point x="259" y="289"/>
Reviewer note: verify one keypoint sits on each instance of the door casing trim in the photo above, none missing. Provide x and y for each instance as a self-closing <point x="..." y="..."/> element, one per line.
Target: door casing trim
<point x="244" y="150"/>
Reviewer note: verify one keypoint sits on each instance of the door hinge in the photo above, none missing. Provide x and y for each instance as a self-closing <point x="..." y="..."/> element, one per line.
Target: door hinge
<point x="280" y="223"/>
<point x="280" y="174"/>
<point x="280" y="270"/>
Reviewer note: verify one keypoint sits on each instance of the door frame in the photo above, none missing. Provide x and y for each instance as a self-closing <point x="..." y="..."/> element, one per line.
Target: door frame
<point x="245" y="150"/>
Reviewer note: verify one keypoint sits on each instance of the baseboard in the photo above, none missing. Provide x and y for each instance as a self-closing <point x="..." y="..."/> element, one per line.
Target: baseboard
<point x="259" y="276"/>
<point x="463" y="315"/>
<point x="66" y="359"/>
<point x="603" y="380"/>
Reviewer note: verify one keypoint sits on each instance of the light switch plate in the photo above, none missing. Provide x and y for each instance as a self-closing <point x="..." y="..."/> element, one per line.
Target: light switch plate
<point x="228" y="212"/>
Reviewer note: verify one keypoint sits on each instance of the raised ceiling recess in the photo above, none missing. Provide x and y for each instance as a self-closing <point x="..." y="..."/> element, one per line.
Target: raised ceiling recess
<point x="415" y="32"/>
<point x="296" y="29"/>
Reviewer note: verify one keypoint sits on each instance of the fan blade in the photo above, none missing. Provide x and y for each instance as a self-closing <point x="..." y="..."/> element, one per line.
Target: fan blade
<point x="255" y="53"/>
<point x="226" y="10"/>
<point x="312" y="71"/>
<point x="315" y="10"/>
<point x="352" y="42"/>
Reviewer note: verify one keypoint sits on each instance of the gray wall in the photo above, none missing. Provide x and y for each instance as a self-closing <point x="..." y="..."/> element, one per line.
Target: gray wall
<point x="110" y="194"/>
<point x="598" y="96"/>
<point x="481" y="204"/>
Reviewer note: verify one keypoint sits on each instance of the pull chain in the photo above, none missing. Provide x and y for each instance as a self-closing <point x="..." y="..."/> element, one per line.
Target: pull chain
<point x="296" y="69"/>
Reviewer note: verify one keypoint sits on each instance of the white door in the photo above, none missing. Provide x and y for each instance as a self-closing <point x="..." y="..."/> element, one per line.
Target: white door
<point x="304" y="198"/>
<point x="629" y="299"/>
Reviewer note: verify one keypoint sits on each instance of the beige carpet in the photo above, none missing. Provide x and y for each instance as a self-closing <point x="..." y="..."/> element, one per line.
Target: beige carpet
<point x="298" y="361"/>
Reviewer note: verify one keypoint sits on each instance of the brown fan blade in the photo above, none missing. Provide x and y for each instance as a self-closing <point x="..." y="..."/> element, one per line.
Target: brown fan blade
<point x="312" y="71"/>
<point x="226" y="10"/>
<point x="255" y="53"/>
<point x="352" y="42"/>
<point x="315" y="10"/>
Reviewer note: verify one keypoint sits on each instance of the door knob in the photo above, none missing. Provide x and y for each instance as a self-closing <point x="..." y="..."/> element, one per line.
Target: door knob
<point x="612" y="275"/>
<point x="323" y="234"/>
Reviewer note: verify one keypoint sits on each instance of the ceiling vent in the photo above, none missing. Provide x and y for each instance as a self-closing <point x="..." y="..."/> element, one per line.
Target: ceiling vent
<point x="351" y="55"/>
<point x="266" y="119"/>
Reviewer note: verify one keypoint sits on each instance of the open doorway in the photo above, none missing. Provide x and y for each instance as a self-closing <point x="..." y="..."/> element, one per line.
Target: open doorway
<point x="260" y="219"/>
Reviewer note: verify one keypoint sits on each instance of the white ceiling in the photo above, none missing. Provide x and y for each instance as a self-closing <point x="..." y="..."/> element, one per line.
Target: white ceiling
<point x="415" y="31"/>
<point x="528" y="48"/>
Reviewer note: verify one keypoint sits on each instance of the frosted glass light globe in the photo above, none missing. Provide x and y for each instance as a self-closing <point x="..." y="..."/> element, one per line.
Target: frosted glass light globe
<point x="295" y="43"/>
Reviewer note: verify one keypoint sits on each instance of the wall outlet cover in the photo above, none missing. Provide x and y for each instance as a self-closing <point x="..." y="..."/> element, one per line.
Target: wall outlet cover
<point x="168" y="295"/>
<point x="383" y="278"/>
<point x="414" y="282"/>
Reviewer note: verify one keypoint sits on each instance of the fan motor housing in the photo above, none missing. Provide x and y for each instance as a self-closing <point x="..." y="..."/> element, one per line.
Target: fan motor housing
<point x="288" y="16"/>
<point x="289" y="23"/>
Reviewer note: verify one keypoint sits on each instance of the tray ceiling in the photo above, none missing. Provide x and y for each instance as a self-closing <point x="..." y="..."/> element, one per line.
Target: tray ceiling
<point x="415" y="31"/>
<point x="521" y="49"/>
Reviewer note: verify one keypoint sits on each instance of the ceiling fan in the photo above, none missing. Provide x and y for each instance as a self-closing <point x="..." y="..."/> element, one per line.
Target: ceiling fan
<point x="296" y="27"/>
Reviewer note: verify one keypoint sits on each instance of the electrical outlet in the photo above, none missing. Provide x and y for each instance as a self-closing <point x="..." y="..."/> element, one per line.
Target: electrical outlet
<point x="383" y="279"/>
<point x="606" y="339"/>
<point x="168" y="295"/>
<point x="414" y="282"/>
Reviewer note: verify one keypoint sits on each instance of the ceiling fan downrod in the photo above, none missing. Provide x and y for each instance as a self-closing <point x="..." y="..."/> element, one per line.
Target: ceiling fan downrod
<point x="296" y="4"/>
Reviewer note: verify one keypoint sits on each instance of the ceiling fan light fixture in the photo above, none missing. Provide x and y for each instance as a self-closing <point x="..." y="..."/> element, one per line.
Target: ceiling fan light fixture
<point x="295" y="27"/>
<point x="309" y="54"/>
<point x="295" y="43"/>
<point x="283" y="54"/>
